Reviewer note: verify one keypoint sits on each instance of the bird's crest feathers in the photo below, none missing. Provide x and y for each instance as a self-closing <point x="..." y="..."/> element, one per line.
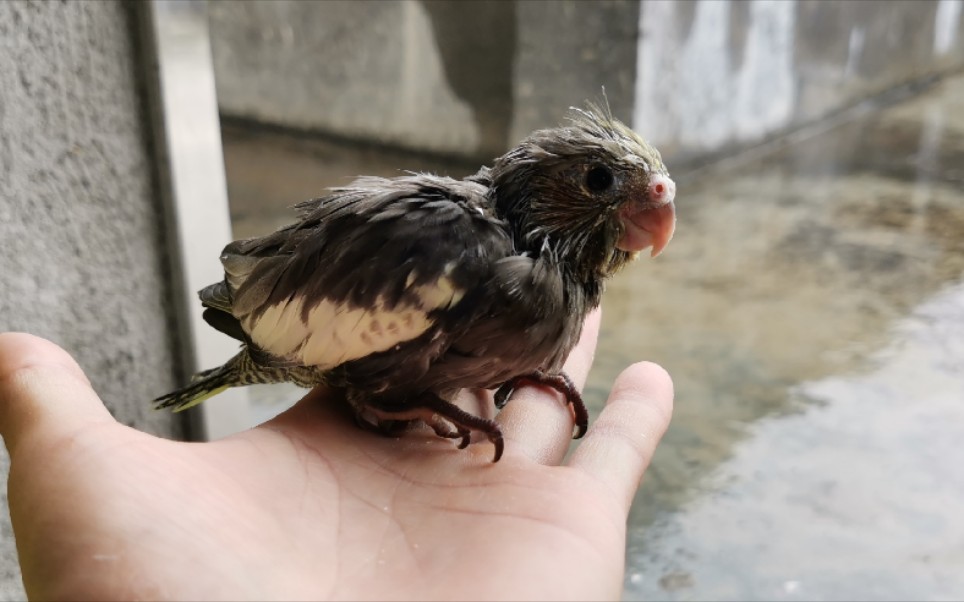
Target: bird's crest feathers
<point x="596" y="124"/>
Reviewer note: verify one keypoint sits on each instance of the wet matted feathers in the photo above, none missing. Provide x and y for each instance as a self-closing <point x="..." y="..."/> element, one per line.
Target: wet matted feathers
<point x="404" y="291"/>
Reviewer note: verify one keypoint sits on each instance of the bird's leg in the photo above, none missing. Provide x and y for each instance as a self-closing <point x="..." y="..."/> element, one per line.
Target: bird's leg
<point x="463" y="421"/>
<point x="559" y="381"/>
<point x="445" y="418"/>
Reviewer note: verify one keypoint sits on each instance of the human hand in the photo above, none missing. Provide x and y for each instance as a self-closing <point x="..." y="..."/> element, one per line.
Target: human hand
<point x="308" y="505"/>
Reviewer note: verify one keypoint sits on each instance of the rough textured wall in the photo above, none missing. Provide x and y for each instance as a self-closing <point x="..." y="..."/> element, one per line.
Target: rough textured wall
<point x="81" y="258"/>
<point x="473" y="77"/>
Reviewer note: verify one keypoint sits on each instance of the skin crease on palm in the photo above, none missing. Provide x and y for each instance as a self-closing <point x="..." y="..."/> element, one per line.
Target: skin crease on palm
<point x="309" y="506"/>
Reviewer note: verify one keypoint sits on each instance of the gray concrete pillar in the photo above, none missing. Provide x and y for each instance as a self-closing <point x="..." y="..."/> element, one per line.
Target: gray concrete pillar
<point x="84" y="256"/>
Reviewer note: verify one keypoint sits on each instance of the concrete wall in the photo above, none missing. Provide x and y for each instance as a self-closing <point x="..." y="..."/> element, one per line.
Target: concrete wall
<point x="81" y="259"/>
<point x="365" y="70"/>
<point x="469" y="78"/>
<point x="716" y="73"/>
<point x="567" y="52"/>
<point x="472" y="78"/>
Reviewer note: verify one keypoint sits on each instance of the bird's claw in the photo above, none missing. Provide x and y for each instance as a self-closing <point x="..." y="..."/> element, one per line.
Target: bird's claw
<point x="445" y="418"/>
<point x="464" y="423"/>
<point x="560" y="382"/>
<point x="505" y="391"/>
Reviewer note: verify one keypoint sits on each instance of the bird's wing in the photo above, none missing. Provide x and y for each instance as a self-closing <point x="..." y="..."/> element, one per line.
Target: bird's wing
<point x="367" y="268"/>
<point x="531" y="323"/>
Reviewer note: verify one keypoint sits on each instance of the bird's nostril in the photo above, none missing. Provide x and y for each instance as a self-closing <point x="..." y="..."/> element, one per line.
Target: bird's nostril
<point x="661" y="190"/>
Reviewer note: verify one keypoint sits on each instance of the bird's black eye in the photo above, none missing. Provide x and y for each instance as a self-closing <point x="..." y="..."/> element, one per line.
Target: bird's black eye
<point x="599" y="179"/>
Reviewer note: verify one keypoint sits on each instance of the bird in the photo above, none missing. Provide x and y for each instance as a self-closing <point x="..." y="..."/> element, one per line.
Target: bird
<point x="403" y="291"/>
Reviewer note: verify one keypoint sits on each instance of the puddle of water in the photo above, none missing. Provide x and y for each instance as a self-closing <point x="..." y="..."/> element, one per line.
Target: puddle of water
<point x="812" y="451"/>
<point x="787" y="273"/>
<point x="860" y="496"/>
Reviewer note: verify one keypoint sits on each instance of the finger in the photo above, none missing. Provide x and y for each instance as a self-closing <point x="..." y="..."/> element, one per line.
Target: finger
<point x="43" y="392"/>
<point x="620" y="444"/>
<point x="538" y="421"/>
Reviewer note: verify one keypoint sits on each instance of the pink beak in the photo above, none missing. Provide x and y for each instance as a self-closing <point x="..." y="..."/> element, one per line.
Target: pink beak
<point x="651" y="221"/>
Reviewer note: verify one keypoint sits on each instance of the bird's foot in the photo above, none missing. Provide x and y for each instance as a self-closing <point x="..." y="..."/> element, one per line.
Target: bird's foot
<point x="559" y="381"/>
<point x="463" y="422"/>
<point x="448" y="420"/>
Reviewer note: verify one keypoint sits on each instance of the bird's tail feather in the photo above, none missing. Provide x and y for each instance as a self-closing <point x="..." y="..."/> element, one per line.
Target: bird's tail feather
<point x="204" y="385"/>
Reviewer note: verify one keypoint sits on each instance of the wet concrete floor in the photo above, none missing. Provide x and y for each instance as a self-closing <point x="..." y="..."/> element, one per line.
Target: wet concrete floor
<point x="811" y="312"/>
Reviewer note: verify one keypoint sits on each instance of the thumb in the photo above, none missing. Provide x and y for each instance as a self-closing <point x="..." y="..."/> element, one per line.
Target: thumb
<point x="43" y="392"/>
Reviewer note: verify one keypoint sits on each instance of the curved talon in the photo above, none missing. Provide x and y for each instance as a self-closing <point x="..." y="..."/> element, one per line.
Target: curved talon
<point x="561" y="383"/>
<point x="575" y="400"/>
<point x="466" y="435"/>
<point x="505" y="391"/>
<point x="465" y="422"/>
<point x="499" y="443"/>
<point x="442" y="416"/>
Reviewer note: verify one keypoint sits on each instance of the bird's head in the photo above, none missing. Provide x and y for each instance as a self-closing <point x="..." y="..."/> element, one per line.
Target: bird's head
<point x="593" y="192"/>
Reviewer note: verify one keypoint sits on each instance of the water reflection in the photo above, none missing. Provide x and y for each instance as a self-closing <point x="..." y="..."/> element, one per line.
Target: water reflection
<point x="859" y="496"/>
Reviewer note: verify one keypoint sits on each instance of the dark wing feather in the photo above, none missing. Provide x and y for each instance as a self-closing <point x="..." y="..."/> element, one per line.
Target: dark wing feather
<point x="377" y="242"/>
<point x="224" y="322"/>
<point x="217" y="295"/>
<point x="521" y="320"/>
<point x="532" y="322"/>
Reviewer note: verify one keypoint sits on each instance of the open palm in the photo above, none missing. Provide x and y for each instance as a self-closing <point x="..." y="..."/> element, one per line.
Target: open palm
<point x="309" y="506"/>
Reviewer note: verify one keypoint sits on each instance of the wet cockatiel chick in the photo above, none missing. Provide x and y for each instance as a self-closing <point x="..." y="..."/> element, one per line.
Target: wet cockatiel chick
<point x="404" y="291"/>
